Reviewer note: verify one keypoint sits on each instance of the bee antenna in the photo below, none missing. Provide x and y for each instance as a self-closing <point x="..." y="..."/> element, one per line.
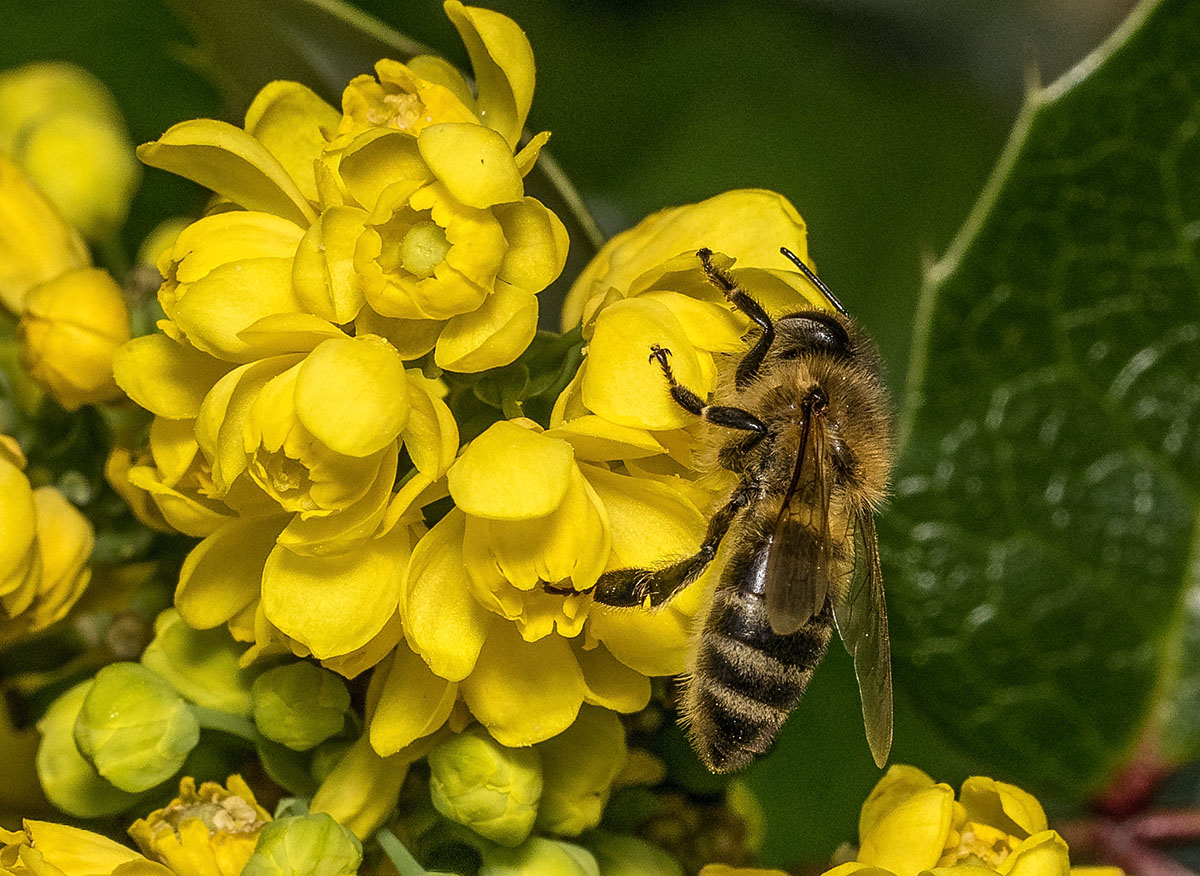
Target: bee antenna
<point x="814" y="279"/>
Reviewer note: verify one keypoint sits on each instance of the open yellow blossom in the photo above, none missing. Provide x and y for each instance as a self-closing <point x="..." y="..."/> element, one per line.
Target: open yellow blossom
<point x="43" y="848"/>
<point x="911" y="825"/>
<point x="496" y="601"/>
<point x="207" y="832"/>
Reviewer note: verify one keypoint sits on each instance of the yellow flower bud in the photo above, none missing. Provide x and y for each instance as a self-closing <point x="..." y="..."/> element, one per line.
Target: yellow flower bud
<point x="36" y="244"/>
<point x="69" y="331"/>
<point x="64" y="129"/>
<point x="579" y="766"/>
<point x="207" y="832"/>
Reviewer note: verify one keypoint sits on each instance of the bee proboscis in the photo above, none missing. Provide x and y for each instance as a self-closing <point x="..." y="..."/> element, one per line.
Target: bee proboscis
<point x="803" y="421"/>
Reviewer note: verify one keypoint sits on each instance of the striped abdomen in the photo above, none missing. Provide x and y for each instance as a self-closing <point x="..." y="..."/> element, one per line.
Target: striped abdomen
<point x="745" y="679"/>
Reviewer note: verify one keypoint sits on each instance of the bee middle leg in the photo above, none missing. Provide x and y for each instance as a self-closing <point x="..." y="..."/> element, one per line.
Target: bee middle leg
<point x="629" y="588"/>
<point x="719" y="415"/>
<point x="747" y="369"/>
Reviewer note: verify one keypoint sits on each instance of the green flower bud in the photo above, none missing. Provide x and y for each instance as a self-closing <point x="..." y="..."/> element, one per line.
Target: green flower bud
<point x="578" y="766"/>
<point x="134" y="728"/>
<point x="70" y="782"/>
<point x="305" y="845"/>
<point x="539" y="856"/>
<point x="620" y="855"/>
<point x="200" y="664"/>
<point x="479" y="783"/>
<point x="300" y="705"/>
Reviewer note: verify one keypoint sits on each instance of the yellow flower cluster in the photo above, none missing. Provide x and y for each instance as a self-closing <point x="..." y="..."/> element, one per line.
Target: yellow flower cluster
<point x="346" y="245"/>
<point x="43" y="552"/>
<point x="912" y="826"/>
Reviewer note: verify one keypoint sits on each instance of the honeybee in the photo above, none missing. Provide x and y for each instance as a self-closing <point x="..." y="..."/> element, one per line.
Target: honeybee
<point x="803" y="420"/>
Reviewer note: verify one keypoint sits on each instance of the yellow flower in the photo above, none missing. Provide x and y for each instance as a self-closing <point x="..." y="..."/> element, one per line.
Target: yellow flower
<point x="579" y="766"/>
<point x="207" y="832"/>
<point x="62" y="126"/>
<point x="495" y="602"/>
<point x="411" y="202"/>
<point x="69" y="330"/>
<point x="36" y="244"/>
<point x="43" y="553"/>
<point x="47" y="849"/>
<point x="910" y="825"/>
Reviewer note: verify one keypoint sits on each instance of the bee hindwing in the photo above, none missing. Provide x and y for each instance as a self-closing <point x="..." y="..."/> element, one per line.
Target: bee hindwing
<point x="861" y="616"/>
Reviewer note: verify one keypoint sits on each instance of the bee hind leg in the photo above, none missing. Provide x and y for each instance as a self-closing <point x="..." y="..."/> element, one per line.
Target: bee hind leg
<point x="719" y="415"/>
<point x="630" y="588"/>
<point x="747" y="369"/>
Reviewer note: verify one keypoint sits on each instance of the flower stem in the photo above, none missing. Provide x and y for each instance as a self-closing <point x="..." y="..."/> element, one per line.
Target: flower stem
<point x="235" y="725"/>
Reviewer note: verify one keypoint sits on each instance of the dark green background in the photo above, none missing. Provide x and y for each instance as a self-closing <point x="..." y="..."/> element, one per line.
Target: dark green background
<point x="879" y="120"/>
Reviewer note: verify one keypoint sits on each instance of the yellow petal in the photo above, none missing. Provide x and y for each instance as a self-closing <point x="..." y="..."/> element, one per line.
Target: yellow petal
<point x="379" y="159"/>
<point x="324" y="277"/>
<point x="431" y="433"/>
<point x="413" y="703"/>
<point x="166" y="378"/>
<point x="610" y="683"/>
<point x="474" y="163"/>
<point x="441" y="72"/>
<point x="597" y="439"/>
<point x="412" y="338"/>
<point x="503" y="64"/>
<point x="910" y="836"/>
<point x="361" y="791"/>
<point x="442" y="621"/>
<point x="524" y="692"/>
<point x="748" y="224"/>
<point x="493" y="335"/>
<point x="650" y="524"/>
<point x="568" y="547"/>
<point x="289" y="118"/>
<point x="75" y="851"/>
<point x="18" y="519"/>
<point x="840" y="870"/>
<point x="185" y="513"/>
<point x="231" y="298"/>
<point x="528" y="155"/>
<point x="900" y="782"/>
<point x="375" y="651"/>
<point x="223" y="574"/>
<point x="622" y="383"/>
<point x="511" y="473"/>
<point x="537" y="244"/>
<point x="333" y="605"/>
<point x="351" y="393"/>
<point x="709" y="326"/>
<point x="1043" y="854"/>
<point x="1002" y="805"/>
<point x="232" y="163"/>
<point x="282" y="333"/>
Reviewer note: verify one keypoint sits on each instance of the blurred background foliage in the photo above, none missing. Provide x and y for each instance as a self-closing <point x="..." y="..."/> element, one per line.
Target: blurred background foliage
<point x="879" y="119"/>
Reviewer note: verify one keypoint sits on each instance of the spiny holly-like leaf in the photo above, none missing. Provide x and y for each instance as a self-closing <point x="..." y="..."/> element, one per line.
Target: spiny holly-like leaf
<point x="1041" y="547"/>
<point x="324" y="44"/>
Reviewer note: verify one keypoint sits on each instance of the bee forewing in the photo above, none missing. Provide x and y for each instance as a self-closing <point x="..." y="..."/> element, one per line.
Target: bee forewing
<point x="800" y="561"/>
<point x="861" y="616"/>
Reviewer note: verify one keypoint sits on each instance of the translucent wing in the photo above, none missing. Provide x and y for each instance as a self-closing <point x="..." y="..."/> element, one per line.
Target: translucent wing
<point x="861" y="617"/>
<point x="800" y="561"/>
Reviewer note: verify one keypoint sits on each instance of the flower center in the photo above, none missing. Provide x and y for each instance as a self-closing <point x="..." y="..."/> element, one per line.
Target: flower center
<point x="424" y="248"/>
<point x="980" y="845"/>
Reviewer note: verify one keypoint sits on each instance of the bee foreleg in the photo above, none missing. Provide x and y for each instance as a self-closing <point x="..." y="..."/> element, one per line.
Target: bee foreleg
<point x="719" y="415"/>
<point x="630" y="588"/>
<point x="747" y="369"/>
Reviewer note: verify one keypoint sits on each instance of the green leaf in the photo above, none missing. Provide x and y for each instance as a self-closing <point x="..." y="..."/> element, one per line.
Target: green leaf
<point x="1041" y="548"/>
<point x="324" y="44"/>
